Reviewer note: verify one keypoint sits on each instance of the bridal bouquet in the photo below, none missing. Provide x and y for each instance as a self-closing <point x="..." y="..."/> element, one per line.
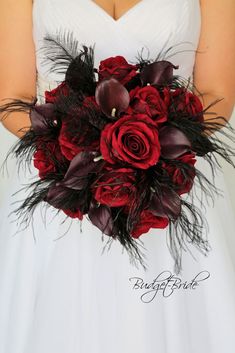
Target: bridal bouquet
<point x="119" y="143"/>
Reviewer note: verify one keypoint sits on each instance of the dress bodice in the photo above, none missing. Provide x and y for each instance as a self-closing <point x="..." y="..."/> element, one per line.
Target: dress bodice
<point x="149" y="27"/>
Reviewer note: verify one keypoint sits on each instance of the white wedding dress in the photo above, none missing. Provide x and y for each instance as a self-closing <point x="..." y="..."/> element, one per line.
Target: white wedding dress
<point x="58" y="292"/>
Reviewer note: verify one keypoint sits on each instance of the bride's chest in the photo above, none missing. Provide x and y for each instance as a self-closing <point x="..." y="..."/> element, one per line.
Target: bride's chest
<point x="150" y="26"/>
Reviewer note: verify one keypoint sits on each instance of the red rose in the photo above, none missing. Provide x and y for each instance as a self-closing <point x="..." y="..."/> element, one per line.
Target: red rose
<point x="77" y="134"/>
<point x="52" y="96"/>
<point x="71" y="144"/>
<point x="115" y="188"/>
<point x="147" y="221"/>
<point x="186" y="102"/>
<point x="74" y="214"/>
<point x="118" y="68"/>
<point x="68" y="144"/>
<point x="45" y="158"/>
<point x="147" y="100"/>
<point x="165" y="94"/>
<point x="183" y="179"/>
<point x="132" y="139"/>
<point x="90" y="102"/>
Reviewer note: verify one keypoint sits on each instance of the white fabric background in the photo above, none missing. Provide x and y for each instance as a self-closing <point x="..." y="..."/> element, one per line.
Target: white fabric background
<point x="63" y="297"/>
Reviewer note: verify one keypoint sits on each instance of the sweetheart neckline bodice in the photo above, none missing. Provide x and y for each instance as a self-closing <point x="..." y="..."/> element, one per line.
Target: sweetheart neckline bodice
<point x="148" y="28"/>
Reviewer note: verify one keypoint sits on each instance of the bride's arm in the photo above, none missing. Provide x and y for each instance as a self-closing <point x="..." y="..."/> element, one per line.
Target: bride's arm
<point x="214" y="70"/>
<point x="17" y="59"/>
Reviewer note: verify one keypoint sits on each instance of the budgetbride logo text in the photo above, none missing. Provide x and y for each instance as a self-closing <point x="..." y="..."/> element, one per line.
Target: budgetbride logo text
<point x="166" y="284"/>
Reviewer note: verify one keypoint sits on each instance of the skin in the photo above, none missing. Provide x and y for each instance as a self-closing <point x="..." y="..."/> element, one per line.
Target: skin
<point x="214" y="74"/>
<point x="17" y="59"/>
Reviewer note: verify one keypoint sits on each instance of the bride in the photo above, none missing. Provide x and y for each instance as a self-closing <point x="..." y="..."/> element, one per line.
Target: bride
<point x="60" y="294"/>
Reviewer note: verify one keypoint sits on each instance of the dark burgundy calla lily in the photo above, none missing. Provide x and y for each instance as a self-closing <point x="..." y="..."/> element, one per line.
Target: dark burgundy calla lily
<point x="80" y="166"/>
<point x="56" y="194"/>
<point x="63" y="198"/>
<point x="101" y="217"/>
<point x="165" y="204"/>
<point x="111" y="94"/>
<point x="157" y="73"/>
<point x="40" y="115"/>
<point x="173" y="142"/>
